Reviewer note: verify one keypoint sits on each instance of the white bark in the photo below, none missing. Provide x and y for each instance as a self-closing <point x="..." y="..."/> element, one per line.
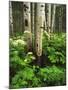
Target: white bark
<point x="23" y="27"/>
<point x="60" y="19"/>
<point x="10" y="18"/>
<point x="27" y="16"/>
<point x="40" y="14"/>
<point x="27" y="20"/>
<point x="49" y="18"/>
<point x="53" y="18"/>
<point x="45" y="20"/>
<point x="32" y="22"/>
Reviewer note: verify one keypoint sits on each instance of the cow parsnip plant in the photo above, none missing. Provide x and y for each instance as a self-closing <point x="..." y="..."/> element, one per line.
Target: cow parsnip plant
<point x="19" y="58"/>
<point x="55" y="48"/>
<point x="24" y="74"/>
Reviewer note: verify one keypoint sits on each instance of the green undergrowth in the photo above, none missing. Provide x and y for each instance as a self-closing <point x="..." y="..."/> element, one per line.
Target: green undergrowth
<point x="24" y="74"/>
<point x="55" y="48"/>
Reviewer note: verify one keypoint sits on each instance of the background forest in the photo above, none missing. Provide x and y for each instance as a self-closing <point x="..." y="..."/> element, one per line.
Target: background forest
<point x="37" y="44"/>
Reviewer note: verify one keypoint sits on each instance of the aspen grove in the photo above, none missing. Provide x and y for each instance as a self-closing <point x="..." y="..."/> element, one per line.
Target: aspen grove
<point x="37" y="44"/>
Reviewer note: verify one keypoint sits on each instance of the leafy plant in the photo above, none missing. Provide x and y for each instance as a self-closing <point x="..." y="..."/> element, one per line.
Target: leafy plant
<point x="55" y="48"/>
<point x="52" y="75"/>
<point x="24" y="74"/>
<point x="19" y="58"/>
<point x="47" y="76"/>
<point x="25" y="78"/>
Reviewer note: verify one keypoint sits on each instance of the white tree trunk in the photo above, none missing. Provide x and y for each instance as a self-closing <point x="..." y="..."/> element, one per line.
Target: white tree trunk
<point x="49" y="18"/>
<point x="40" y="14"/>
<point x="32" y="22"/>
<point x="53" y="18"/>
<point x="45" y="20"/>
<point x="23" y="27"/>
<point x="10" y="18"/>
<point x="60" y="19"/>
<point x="27" y="21"/>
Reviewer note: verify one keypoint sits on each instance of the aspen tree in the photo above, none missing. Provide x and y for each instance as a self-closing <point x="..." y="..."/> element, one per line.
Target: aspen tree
<point x="53" y="18"/>
<point x="39" y="25"/>
<point x="45" y="19"/>
<point x="46" y="23"/>
<point x="10" y="18"/>
<point x="23" y="26"/>
<point x="32" y="22"/>
<point x="27" y="27"/>
<point x="60" y="19"/>
<point x="49" y="18"/>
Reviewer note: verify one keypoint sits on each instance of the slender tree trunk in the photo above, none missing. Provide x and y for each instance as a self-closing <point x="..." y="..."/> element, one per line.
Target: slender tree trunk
<point x="27" y="21"/>
<point x="23" y="23"/>
<point x="53" y="18"/>
<point x="11" y="18"/>
<point x="32" y="23"/>
<point x="45" y="19"/>
<point x="49" y="18"/>
<point x="39" y="25"/>
<point x="60" y="19"/>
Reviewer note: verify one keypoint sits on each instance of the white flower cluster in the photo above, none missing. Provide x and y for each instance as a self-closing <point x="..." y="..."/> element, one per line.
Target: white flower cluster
<point x="26" y="32"/>
<point x="16" y="42"/>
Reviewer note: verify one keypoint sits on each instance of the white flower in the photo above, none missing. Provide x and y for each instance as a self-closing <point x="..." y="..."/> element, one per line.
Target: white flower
<point x="25" y="32"/>
<point x="19" y="41"/>
<point x="33" y="58"/>
<point x="11" y="39"/>
<point x="25" y="60"/>
<point x="15" y="43"/>
<point x="30" y="53"/>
